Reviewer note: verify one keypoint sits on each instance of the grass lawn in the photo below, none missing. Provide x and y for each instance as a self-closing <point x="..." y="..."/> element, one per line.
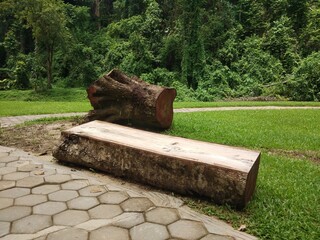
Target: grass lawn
<point x="52" y="95"/>
<point x="56" y="100"/>
<point x="286" y="204"/>
<point x="61" y="100"/>
<point x="17" y="108"/>
<point x="244" y="104"/>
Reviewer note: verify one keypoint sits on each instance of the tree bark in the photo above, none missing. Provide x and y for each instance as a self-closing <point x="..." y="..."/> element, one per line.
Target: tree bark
<point x="116" y="97"/>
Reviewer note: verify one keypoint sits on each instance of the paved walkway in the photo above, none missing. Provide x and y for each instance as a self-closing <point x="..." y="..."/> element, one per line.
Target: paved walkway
<point x="11" y="121"/>
<point x="42" y="200"/>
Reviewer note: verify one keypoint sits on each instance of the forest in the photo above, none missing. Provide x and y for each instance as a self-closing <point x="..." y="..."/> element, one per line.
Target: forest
<point x="207" y="50"/>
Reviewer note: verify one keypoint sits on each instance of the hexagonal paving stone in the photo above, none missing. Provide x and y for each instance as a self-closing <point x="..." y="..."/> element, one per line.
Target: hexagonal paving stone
<point x="137" y="205"/>
<point x="49" y="208"/>
<point x="163" y="216"/>
<point x="113" y="197"/>
<point x="45" y="189"/>
<point x="13" y="213"/>
<point x="148" y="231"/>
<point x="105" y="211"/>
<point x="92" y="191"/>
<point x="4" y="228"/>
<point x="30" y="182"/>
<point x="63" y="195"/>
<point x="5" y="202"/>
<point x="41" y="238"/>
<point x="30" y="167"/>
<point x="4" y="154"/>
<point x="43" y="172"/>
<point x="128" y="220"/>
<point x="14" y="192"/>
<point x="18" y="163"/>
<point x="83" y="203"/>
<point x="187" y="229"/>
<point x="6" y="170"/>
<point x="110" y="232"/>
<point x="75" y="185"/>
<point x="6" y="159"/>
<point x="16" y="176"/>
<point x="31" y="224"/>
<point x="70" y="234"/>
<point x="30" y="200"/>
<point x="58" y="178"/>
<point x="5" y="184"/>
<point x="217" y="237"/>
<point x="70" y="217"/>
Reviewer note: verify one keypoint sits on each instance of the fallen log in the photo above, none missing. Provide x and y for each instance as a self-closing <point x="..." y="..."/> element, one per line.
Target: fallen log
<point x="116" y="97"/>
<point x="225" y="174"/>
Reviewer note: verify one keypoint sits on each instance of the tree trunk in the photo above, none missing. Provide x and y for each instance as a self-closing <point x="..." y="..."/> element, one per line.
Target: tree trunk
<point x="225" y="174"/>
<point x="96" y="6"/>
<point x="49" y="66"/>
<point x="116" y="97"/>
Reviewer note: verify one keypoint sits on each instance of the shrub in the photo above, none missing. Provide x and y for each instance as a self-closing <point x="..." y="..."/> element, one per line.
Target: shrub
<point x="305" y="84"/>
<point x="218" y="82"/>
<point x="160" y="76"/>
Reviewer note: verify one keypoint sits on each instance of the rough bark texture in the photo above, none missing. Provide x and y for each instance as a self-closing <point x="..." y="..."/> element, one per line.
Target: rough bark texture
<point x="225" y="174"/>
<point x="116" y="97"/>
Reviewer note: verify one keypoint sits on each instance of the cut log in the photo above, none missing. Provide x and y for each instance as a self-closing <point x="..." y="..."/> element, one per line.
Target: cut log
<point x="116" y="97"/>
<point x="225" y="174"/>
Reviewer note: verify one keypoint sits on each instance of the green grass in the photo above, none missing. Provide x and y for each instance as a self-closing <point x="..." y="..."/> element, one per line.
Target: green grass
<point x="259" y="129"/>
<point x="56" y="100"/>
<point x="286" y="204"/>
<point x="52" y="95"/>
<point x="244" y="104"/>
<point x="16" y="108"/>
<point x="63" y="100"/>
<point x="51" y="120"/>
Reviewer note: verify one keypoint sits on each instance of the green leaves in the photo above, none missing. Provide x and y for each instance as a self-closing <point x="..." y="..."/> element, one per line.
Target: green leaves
<point x="305" y="84"/>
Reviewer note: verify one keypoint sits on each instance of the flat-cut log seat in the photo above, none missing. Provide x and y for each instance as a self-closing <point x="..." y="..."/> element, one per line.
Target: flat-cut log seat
<point x="225" y="174"/>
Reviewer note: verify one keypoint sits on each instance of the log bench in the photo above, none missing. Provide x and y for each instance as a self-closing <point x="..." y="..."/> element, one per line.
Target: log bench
<point x="225" y="174"/>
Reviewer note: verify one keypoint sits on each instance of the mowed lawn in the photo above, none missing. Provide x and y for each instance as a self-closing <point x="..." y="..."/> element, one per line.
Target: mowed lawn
<point x="57" y="100"/>
<point x="18" y="108"/>
<point x="286" y="204"/>
<point x="47" y="105"/>
<point x="64" y="100"/>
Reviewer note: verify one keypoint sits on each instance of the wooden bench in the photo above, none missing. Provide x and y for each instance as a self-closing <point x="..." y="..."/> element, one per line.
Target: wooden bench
<point x="225" y="174"/>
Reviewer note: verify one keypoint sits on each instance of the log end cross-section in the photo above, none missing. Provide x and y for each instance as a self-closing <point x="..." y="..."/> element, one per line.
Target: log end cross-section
<point x="225" y="174"/>
<point x="116" y="97"/>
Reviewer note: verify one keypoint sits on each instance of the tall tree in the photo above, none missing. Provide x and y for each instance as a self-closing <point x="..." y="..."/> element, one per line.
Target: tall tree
<point x="193" y="51"/>
<point x="310" y="40"/>
<point x="280" y="42"/>
<point x="297" y="11"/>
<point x="251" y="14"/>
<point x="47" y="20"/>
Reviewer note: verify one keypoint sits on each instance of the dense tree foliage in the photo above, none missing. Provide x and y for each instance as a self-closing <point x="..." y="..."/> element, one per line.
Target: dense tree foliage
<point x="208" y="49"/>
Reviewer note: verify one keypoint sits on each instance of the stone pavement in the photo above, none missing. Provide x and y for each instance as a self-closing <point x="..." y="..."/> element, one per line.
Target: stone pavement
<point x="42" y="200"/>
